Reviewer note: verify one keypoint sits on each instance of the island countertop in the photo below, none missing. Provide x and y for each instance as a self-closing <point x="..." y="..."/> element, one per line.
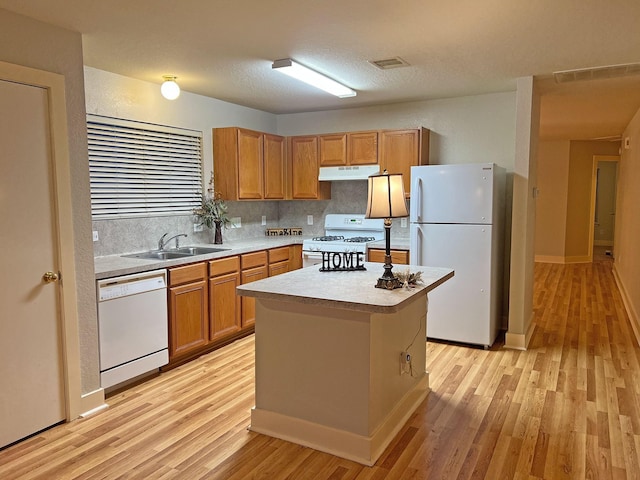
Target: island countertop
<point x="351" y="290"/>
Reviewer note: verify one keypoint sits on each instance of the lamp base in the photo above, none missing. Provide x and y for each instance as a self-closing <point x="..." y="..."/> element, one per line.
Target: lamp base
<point x="388" y="283"/>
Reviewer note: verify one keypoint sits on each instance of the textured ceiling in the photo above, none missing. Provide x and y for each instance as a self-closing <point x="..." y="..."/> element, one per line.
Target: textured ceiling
<point x="224" y="49"/>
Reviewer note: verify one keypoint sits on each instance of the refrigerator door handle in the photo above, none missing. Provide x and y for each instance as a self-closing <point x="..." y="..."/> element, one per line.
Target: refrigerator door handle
<point x="417" y="241"/>
<point x="419" y="200"/>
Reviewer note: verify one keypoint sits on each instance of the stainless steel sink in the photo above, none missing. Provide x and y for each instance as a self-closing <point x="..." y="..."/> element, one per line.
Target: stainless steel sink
<point x="158" y="255"/>
<point x="181" y="252"/>
<point x="198" y="250"/>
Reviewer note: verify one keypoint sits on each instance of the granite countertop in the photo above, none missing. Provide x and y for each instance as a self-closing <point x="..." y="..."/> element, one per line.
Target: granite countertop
<point x="116" y="265"/>
<point x="352" y="290"/>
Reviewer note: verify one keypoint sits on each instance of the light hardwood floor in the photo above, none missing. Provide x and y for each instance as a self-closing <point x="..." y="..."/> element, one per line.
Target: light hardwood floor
<point x="569" y="407"/>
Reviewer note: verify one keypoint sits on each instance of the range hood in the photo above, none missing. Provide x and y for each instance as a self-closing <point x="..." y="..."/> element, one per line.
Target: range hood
<point x="358" y="172"/>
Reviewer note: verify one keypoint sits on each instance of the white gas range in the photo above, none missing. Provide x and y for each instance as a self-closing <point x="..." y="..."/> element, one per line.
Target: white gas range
<point x="343" y="233"/>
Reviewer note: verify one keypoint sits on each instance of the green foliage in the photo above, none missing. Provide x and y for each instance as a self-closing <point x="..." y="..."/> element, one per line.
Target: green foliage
<point x="213" y="209"/>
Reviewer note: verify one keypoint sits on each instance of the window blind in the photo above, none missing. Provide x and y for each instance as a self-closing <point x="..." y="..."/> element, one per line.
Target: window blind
<point x="139" y="169"/>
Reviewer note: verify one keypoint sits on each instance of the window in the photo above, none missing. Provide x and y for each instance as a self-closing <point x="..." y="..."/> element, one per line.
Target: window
<point x="139" y="169"/>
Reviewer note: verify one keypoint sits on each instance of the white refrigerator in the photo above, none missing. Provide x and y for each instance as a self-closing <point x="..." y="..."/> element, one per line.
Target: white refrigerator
<point x="457" y="221"/>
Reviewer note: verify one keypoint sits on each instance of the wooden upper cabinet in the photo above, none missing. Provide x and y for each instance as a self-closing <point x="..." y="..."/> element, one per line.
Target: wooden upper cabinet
<point x="351" y="148"/>
<point x="274" y="167"/>
<point x="399" y="150"/>
<point x="248" y="165"/>
<point x="362" y="148"/>
<point x="303" y="157"/>
<point x="333" y="149"/>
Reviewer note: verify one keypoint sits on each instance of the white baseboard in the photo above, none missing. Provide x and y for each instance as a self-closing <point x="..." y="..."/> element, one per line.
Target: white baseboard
<point x="342" y="443"/>
<point x="563" y="260"/>
<point x="92" y="402"/>
<point x="628" y="306"/>
<point x="603" y="243"/>
<point x="549" y="259"/>
<point x="520" y="341"/>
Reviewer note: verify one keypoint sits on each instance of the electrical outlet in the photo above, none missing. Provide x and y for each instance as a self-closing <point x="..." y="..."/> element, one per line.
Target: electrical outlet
<point x="264" y="219"/>
<point x="95" y="236"/>
<point x="309" y="219"/>
<point x="405" y="363"/>
<point x="236" y="222"/>
<point x="403" y="222"/>
<point x="198" y="227"/>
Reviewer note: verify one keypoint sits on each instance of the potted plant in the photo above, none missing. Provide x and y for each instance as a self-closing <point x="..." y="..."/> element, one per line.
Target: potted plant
<point x="213" y="212"/>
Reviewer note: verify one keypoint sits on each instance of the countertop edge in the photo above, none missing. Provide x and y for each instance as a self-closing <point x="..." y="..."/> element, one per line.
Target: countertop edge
<point x="378" y="299"/>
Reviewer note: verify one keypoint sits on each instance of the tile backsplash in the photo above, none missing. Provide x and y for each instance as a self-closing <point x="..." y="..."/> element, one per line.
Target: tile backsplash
<point x="130" y="235"/>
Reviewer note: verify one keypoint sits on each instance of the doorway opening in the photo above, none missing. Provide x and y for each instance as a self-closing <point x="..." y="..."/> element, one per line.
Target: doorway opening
<point x="603" y="205"/>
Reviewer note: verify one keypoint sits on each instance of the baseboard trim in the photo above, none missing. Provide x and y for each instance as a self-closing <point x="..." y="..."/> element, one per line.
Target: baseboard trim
<point x="549" y="259"/>
<point x="342" y="443"/>
<point x="603" y="243"/>
<point x="520" y="341"/>
<point x="92" y="402"/>
<point x="563" y="260"/>
<point x="628" y="306"/>
<point x="579" y="259"/>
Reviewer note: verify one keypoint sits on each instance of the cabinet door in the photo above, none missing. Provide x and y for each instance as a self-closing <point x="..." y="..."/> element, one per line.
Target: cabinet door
<point x="249" y="303"/>
<point x="399" y="151"/>
<point x="250" y="165"/>
<point x="304" y="170"/>
<point x="362" y="148"/>
<point x="274" y="167"/>
<point x="333" y="149"/>
<point x="188" y="319"/>
<point x="224" y="305"/>
<point x="295" y="257"/>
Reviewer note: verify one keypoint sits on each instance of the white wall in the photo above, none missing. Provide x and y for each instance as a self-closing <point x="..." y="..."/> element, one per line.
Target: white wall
<point x="627" y="228"/>
<point x="474" y="129"/>
<point x="30" y="43"/>
<point x="114" y="95"/>
<point x="551" y="211"/>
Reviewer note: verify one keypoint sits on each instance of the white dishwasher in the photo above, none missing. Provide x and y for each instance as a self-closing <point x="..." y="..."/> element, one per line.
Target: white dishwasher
<point x="132" y="325"/>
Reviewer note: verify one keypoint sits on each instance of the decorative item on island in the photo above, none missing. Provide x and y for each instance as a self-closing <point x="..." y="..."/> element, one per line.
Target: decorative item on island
<point x="342" y="261"/>
<point x="408" y="279"/>
<point x="213" y="212"/>
<point x="386" y="200"/>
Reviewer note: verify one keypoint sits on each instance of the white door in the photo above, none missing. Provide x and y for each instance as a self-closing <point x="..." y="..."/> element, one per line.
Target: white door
<point x="31" y="373"/>
<point x="452" y="193"/>
<point x="459" y="309"/>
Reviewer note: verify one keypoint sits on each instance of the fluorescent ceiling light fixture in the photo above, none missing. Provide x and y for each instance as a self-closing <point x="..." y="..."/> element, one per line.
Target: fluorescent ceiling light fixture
<point x="170" y="88"/>
<point x="304" y="74"/>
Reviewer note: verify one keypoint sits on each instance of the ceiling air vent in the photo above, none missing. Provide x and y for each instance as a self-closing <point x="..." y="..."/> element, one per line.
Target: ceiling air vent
<point x="388" y="63"/>
<point x="597" y="73"/>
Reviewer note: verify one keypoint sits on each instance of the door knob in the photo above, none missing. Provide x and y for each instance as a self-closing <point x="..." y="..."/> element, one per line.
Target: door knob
<point x="50" y="277"/>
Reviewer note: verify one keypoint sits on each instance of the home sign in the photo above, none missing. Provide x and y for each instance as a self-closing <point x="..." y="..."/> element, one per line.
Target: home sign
<point x="342" y="261"/>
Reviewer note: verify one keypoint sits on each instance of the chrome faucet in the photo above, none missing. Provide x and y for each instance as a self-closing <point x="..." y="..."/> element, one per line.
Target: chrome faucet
<point x="162" y="242"/>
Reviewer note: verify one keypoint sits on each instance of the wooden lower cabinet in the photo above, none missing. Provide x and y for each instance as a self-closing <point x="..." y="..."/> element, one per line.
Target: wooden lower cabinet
<point x="295" y="256"/>
<point x="188" y="310"/>
<point x="204" y="310"/>
<point x="249" y="303"/>
<point x="224" y="304"/>
<point x="398" y="257"/>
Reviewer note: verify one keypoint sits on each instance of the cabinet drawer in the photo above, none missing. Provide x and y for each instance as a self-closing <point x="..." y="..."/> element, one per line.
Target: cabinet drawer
<point x="224" y="265"/>
<point x="253" y="274"/>
<point x="398" y="257"/>
<point x="255" y="259"/>
<point x="278" y="268"/>
<point x="278" y="254"/>
<point x="188" y="273"/>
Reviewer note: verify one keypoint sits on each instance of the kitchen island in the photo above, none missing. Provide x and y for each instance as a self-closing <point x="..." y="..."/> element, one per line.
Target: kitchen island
<point x="329" y="373"/>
